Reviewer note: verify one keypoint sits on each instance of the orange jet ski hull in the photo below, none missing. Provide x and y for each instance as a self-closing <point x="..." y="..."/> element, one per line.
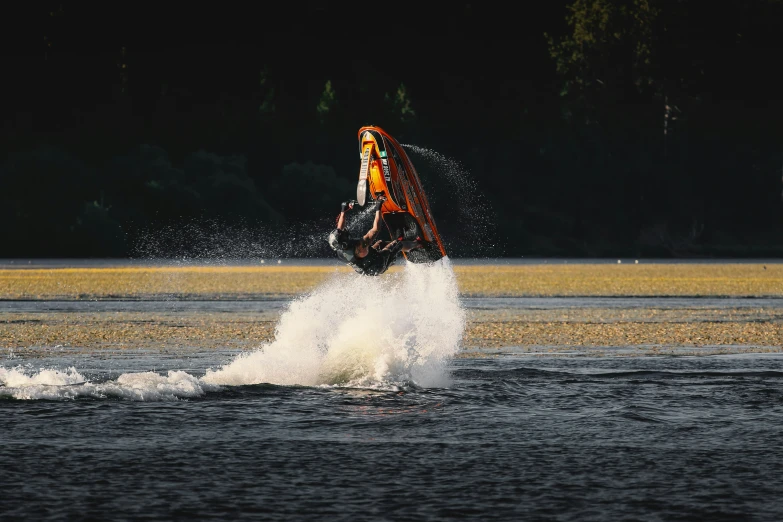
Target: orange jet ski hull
<point x="386" y="169"/>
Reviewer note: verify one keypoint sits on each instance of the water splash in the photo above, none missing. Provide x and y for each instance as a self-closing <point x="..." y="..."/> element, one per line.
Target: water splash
<point x="53" y="384"/>
<point x="215" y="241"/>
<point x="352" y="331"/>
<point x="474" y="228"/>
<point x="362" y="331"/>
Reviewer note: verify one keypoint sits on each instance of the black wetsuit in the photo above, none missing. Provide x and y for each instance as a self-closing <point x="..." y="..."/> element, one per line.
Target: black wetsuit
<point x="377" y="262"/>
<point x="374" y="263"/>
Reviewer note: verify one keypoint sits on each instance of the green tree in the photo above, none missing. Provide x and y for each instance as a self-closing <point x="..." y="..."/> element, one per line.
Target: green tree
<point x="606" y="60"/>
<point x="327" y="102"/>
<point x="267" y="94"/>
<point x="607" y="51"/>
<point x="399" y="104"/>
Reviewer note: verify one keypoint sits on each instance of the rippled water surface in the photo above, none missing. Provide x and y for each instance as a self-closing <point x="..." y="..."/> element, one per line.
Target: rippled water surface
<point x="510" y="438"/>
<point x="362" y="408"/>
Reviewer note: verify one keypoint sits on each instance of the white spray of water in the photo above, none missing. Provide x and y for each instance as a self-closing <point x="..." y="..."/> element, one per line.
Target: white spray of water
<point x="358" y="331"/>
<point x="362" y="331"/>
<point x="214" y="241"/>
<point x="473" y="215"/>
<point x="51" y="384"/>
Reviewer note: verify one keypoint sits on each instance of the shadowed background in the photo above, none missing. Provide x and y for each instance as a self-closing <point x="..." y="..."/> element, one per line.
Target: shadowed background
<point x="589" y="128"/>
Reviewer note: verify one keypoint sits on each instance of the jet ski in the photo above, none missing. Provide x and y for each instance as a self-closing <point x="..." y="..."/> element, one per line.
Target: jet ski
<point x="387" y="171"/>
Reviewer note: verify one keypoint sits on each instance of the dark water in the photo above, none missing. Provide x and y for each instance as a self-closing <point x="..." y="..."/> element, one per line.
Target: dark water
<point x="513" y="438"/>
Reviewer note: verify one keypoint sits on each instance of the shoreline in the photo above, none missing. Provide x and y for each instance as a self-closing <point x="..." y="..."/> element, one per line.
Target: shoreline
<point x="243" y="282"/>
<point x="521" y="309"/>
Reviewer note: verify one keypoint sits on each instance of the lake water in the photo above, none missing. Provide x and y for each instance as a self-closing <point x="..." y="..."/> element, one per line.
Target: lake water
<point x="341" y="419"/>
<point x="510" y="438"/>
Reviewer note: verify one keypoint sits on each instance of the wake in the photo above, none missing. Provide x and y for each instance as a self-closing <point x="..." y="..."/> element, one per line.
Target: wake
<point x="385" y="332"/>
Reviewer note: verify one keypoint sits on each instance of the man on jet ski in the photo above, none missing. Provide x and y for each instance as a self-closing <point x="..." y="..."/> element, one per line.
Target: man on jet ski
<point x="362" y="254"/>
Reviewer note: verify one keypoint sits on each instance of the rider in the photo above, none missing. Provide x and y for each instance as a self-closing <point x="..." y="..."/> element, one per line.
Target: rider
<point x="364" y="257"/>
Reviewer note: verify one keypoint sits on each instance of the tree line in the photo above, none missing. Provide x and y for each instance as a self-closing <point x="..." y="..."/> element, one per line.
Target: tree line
<point x="609" y="128"/>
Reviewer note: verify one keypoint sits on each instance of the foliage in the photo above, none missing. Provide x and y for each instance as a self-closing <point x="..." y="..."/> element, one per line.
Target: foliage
<point x="327" y="102"/>
<point x="670" y="144"/>
<point x="400" y="104"/>
<point x="609" y="48"/>
<point x="267" y="94"/>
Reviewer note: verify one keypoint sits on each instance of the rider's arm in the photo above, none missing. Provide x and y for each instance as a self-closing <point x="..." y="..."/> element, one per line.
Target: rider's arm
<point x="341" y="219"/>
<point x="374" y="230"/>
